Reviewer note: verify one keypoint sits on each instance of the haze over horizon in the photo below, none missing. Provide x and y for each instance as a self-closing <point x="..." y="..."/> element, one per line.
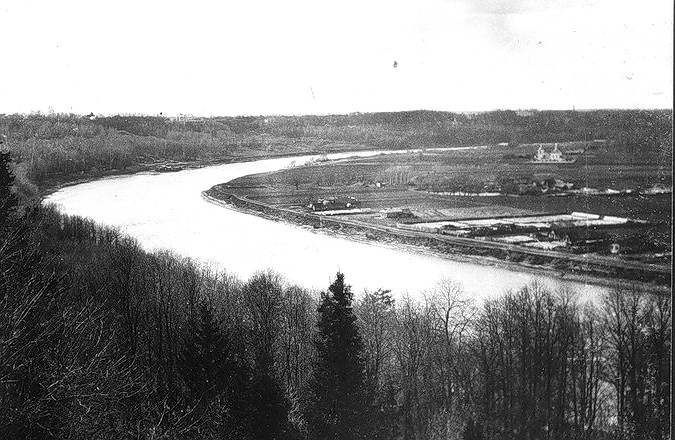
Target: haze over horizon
<point x="301" y="57"/>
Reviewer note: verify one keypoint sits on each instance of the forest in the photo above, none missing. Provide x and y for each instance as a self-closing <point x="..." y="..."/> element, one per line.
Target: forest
<point x="100" y="339"/>
<point x="57" y="148"/>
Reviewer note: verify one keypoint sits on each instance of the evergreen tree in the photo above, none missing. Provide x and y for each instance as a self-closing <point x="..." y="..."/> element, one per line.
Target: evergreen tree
<point x="8" y="201"/>
<point x="472" y="430"/>
<point x="215" y="376"/>
<point x="268" y="413"/>
<point x="205" y="363"/>
<point x="338" y="407"/>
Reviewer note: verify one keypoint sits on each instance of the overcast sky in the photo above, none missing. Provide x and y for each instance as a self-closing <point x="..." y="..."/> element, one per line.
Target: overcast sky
<point x="300" y="57"/>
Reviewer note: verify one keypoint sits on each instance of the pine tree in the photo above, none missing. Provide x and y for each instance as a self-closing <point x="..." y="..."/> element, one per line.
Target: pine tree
<point x="8" y="201"/>
<point x="206" y="363"/>
<point x="472" y="431"/>
<point x="268" y="404"/>
<point x="215" y="376"/>
<point x="338" y="404"/>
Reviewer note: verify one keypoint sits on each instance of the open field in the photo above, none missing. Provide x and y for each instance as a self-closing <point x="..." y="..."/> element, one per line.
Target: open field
<point x="404" y="186"/>
<point x="404" y="181"/>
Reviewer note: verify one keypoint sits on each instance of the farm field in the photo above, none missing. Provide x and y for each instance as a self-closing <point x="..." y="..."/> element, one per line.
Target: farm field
<point x="413" y="180"/>
<point x="418" y="188"/>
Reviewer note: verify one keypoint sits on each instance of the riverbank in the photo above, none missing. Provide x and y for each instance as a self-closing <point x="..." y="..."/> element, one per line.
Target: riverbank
<point x="58" y="182"/>
<point x="652" y="279"/>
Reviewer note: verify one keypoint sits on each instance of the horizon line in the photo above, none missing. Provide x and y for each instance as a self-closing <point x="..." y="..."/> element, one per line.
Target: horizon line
<point x="357" y="112"/>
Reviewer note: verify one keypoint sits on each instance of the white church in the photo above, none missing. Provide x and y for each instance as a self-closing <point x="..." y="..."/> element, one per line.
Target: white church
<point x="554" y="156"/>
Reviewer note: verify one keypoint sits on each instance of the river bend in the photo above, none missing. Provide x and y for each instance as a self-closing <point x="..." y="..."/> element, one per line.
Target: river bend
<point x="166" y="211"/>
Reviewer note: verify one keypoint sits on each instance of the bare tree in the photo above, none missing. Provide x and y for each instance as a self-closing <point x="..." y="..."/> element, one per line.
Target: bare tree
<point x="452" y="312"/>
<point x="375" y="311"/>
<point x="413" y="331"/>
<point x="297" y="321"/>
<point x="262" y="297"/>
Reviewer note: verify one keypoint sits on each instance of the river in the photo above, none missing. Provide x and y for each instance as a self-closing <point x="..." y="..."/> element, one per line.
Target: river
<point x="166" y="211"/>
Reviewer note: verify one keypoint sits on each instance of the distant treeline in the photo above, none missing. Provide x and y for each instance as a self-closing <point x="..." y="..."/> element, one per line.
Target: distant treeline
<point x="68" y="145"/>
<point x="100" y="339"/>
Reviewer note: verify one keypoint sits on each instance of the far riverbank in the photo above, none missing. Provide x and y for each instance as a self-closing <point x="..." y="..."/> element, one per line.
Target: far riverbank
<point x="57" y="182"/>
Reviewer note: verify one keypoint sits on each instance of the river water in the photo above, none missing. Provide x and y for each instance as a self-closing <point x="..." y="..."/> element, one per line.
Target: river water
<point x="166" y="211"/>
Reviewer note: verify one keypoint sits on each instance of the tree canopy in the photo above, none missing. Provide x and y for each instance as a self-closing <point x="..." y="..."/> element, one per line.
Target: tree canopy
<point x="339" y="407"/>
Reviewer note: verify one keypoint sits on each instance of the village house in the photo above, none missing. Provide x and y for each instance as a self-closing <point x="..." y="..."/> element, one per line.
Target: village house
<point x="333" y="203"/>
<point x="552" y="185"/>
<point x="397" y="213"/>
<point x="554" y="156"/>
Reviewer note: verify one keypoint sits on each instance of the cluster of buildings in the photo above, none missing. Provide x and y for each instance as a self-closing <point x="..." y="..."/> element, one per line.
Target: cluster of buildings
<point x="542" y="231"/>
<point x="187" y="119"/>
<point x="529" y="186"/>
<point x="334" y="204"/>
<point x="554" y="156"/>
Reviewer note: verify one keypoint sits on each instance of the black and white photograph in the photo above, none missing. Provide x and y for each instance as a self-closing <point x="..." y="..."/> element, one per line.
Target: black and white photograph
<point x="323" y="220"/>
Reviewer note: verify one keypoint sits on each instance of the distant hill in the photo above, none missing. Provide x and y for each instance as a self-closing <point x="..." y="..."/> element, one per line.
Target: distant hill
<point x="68" y="145"/>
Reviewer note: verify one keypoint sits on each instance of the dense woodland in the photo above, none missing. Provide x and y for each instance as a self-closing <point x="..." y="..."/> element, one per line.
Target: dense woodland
<point x="100" y="339"/>
<point x="65" y="147"/>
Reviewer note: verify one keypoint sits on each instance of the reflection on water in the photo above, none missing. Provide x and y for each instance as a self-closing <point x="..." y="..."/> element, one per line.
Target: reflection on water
<point x="166" y="211"/>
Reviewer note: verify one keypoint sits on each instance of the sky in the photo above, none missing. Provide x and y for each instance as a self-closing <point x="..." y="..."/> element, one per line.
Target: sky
<point x="316" y="57"/>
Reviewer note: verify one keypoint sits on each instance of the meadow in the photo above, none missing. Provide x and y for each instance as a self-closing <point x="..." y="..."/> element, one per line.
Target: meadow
<point x="418" y="180"/>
